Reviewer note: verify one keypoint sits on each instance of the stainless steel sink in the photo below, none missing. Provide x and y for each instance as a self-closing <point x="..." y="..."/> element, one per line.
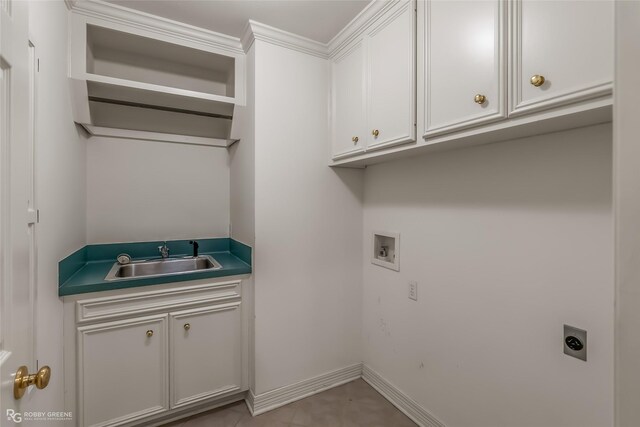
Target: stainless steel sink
<point x="162" y="267"/>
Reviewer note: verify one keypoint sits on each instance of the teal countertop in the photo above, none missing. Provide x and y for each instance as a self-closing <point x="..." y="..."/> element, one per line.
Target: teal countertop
<point x="84" y="271"/>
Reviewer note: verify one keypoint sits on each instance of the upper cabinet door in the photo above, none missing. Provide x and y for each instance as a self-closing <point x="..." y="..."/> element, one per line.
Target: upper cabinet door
<point x="348" y="101"/>
<point x="463" y="49"/>
<point x="391" y="76"/>
<point x="562" y="52"/>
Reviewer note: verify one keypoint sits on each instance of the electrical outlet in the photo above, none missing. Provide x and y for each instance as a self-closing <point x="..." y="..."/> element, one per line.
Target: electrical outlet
<point x="575" y="342"/>
<point x="413" y="290"/>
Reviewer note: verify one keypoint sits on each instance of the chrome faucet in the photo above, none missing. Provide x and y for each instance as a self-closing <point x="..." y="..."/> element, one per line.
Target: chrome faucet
<point x="164" y="250"/>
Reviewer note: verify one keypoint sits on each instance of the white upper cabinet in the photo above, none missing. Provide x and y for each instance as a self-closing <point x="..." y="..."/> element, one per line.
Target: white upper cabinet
<point x="487" y="70"/>
<point x="348" y="101"/>
<point x="373" y="81"/>
<point x="391" y="78"/>
<point x="464" y="58"/>
<point x="562" y="52"/>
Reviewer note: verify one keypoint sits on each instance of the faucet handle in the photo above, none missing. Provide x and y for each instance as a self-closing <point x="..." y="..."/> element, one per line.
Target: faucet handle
<point x="164" y="250"/>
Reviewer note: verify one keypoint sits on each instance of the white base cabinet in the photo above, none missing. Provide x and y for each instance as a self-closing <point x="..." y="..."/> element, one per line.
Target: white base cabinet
<point x="122" y="368"/>
<point x="144" y="356"/>
<point x="205" y="345"/>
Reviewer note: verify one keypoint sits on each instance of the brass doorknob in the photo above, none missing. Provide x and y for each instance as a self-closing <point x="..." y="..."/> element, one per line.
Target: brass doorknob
<point x="187" y="326"/>
<point x="480" y="99"/>
<point x="149" y="333"/>
<point x="355" y="139"/>
<point x="537" y="80"/>
<point x="24" y="380"/>
<point x="375" y="132"/>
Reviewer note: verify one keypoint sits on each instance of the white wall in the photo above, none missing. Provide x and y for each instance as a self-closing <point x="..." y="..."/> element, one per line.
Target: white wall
<point x="142" y="191"/>
<point x="61" y="184"/>
<point x="242" y="209"/>
<point x="627" y="210"/>
<point x="308" y="225"/>
<point x="507" y="242"/>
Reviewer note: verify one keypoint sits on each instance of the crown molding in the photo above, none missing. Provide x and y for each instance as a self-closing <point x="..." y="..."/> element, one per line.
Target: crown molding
<point x="124" y="15"/>
<point x="359" y="24"/>
<point x="258" y="31"/>
<point x="247" y="38"/>
<point x="253" y="30"/>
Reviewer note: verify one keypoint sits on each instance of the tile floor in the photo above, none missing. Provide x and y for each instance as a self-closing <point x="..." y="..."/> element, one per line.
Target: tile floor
<point x="351" y="405"/>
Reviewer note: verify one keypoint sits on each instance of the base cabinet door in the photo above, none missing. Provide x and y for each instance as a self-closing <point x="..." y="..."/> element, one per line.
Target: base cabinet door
<point x="123" y="371"/>
<point x="562" y="52"/>
<point x="464" y="51"/>
<point x="206" y="353"/>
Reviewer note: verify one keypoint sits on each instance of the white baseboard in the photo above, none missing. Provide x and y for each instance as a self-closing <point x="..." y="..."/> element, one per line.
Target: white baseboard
<point x="400" y="400"/>
<point x="264" y="402"/>
<point x="194" y="409"/>
<point x="273" y="399"/>
<point x="248" y="400"/>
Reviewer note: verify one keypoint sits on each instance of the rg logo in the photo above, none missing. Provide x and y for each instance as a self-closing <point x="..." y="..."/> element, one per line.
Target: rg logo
<point x="14" y="416"/>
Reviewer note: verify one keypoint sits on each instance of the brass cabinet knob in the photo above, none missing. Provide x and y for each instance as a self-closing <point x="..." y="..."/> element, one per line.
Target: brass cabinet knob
<point x="375" y="132"/>
<point x="23" y="380"/>
<point x="480" y="99"/>
<point x="187" y="326"/>
<point x="149" y="333"/>
<point x="537" y="80"/>
<point x="355" y="139"/>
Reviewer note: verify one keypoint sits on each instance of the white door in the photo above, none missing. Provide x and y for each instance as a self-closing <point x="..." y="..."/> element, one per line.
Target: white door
<point x="391" y="70"/>
<point x="464" y="54"/>
<point x="17" y="215"/>
<point x="122" y="371"/>
<point x="206" y="353"/>
<point x="562" y="52"/>
<point x="348" y="101"/>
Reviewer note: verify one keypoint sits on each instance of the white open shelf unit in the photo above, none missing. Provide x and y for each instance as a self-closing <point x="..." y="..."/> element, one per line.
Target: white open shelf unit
<point x="141" y="77"/>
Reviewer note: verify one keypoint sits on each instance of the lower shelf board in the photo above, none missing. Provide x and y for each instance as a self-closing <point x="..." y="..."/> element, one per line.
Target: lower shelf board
<point x="156" y="136"/>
